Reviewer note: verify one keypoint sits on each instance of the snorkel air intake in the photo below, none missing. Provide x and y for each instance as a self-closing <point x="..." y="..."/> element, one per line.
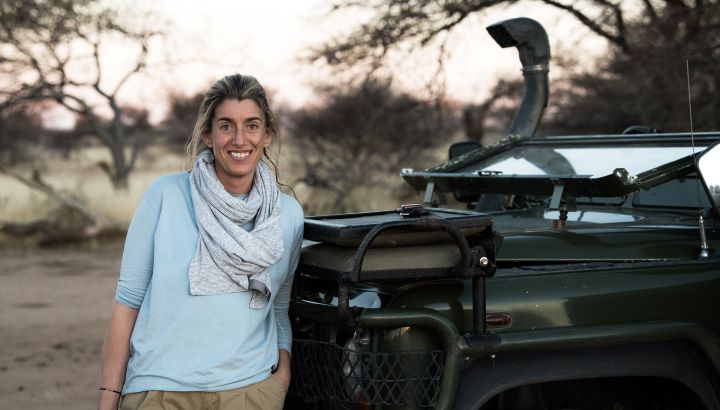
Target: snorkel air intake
<point x="532" y="43"/>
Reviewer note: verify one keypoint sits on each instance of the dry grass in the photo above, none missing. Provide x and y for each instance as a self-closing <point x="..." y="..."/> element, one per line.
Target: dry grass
<point x="80" y="176"/>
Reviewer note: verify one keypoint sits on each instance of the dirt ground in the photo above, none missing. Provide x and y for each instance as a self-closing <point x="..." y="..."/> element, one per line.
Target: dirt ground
<point x="54" y="307"/>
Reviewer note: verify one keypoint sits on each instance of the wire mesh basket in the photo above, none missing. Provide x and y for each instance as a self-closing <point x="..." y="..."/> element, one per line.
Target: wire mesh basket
<point x="335" y="375"/>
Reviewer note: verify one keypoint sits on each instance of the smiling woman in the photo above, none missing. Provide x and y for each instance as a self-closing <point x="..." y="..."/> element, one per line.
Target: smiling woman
<point x="238" y="136"/>
<point x="207" y="270"/>
<point x="235" y="111"/>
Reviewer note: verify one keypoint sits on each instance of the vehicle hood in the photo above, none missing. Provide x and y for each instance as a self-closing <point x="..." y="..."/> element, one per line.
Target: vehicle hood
<point x="595" y="235"/>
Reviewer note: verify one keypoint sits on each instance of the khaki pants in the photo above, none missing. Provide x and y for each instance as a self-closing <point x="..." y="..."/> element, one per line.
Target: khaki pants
<point x="265" y="395"/>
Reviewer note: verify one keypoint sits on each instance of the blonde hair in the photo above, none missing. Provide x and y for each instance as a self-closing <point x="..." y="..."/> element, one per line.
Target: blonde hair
<point x="232" y="87"/>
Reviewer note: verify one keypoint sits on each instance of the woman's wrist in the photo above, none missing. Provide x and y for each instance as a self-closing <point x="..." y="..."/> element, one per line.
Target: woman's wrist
<point x="108" y="400"/>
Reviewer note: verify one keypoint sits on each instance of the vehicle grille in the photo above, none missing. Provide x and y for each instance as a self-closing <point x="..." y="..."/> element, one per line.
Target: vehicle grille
<point x="338" y="377"/>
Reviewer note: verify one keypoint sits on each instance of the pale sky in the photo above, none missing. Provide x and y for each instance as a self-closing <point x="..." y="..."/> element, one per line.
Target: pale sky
<point x="206" y="40"/>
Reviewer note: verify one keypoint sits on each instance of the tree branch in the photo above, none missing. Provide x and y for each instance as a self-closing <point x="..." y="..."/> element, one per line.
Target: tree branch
<point x="650" y="10"/>
<point x="590" y="23"/>
<point x="141" y="61"/>
<point x="98" y="69"/>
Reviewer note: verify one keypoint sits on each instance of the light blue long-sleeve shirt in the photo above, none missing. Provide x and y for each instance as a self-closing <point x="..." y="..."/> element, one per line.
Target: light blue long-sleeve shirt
<point x="197" y="343"/>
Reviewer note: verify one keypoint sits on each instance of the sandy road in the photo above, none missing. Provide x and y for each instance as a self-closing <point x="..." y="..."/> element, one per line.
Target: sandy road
<point x="54" y="307"/>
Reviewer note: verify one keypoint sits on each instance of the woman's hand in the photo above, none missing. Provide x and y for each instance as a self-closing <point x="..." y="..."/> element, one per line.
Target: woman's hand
<point x="283" y="377"/>
<point x="282" y="374"/>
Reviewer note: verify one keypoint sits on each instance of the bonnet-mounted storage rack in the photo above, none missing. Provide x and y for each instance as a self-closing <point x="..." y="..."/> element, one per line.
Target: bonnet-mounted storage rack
<point x="411" y="228"/>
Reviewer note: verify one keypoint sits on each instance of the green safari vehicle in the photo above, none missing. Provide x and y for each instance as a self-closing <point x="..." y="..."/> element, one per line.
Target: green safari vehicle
<point x="583" y="275"/>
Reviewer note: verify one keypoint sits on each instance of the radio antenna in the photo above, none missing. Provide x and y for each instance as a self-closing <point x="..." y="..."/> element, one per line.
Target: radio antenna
<point x="692" y="135"/>
<point x="704" y="248"/>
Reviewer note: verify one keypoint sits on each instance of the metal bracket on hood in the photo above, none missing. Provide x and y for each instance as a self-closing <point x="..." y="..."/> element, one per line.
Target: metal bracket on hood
<point x="557" y="197"/>
<point x="429" y="190"/>
<point x="428" y="193"/>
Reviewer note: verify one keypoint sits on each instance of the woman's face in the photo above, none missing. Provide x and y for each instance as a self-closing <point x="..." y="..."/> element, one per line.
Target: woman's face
<point x="237" y="136"/>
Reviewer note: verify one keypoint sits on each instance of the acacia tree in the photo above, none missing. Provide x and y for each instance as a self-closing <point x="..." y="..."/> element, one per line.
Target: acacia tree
<point x="647" y="81"/>
<point x="360" y="135"/>
<point x="51" y="50"/>
<point x="641" y="78"/>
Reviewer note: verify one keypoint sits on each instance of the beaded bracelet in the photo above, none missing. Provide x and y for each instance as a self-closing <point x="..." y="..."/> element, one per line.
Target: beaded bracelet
<point x="110" y="390"/>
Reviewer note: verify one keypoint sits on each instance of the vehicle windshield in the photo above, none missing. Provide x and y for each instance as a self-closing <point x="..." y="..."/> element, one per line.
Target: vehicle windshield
<point x="587" y="161"/>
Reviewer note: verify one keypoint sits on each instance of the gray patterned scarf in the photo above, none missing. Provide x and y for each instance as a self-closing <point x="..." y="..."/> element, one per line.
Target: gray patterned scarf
<point x="228" y="258"/>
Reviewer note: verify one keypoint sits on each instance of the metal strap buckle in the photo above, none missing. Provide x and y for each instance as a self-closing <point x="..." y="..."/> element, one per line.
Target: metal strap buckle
<point x="412" y="211"/>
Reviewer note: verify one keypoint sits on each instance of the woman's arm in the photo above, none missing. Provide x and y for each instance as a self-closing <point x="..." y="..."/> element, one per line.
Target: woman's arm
<point x="135" y="273"/>
<point x="115" y="355"/>
<point x="282" y="303"/>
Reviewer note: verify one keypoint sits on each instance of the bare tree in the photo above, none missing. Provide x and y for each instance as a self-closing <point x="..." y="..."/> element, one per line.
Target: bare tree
<point x="51" y="50"/>
<point x="361" y="135"/>
<point x="640" y="80"/>
<point x="418" y="23"/>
